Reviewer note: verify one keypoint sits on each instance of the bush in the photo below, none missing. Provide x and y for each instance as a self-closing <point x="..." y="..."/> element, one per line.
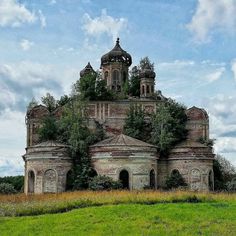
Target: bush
<point x="16" y="181"/>
<point x="175" y="180"/>
<point x="104" y="183"/>
<point x="6" y="188"/>
<point x="231" y="186"/>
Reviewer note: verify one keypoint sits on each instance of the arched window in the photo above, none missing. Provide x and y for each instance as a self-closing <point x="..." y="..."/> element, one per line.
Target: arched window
<point x="175" y="173"/>
<point x="115" y="78"/>
<point x="31" y="181"/>
<point x="69" y="180"/>
<point x="49" y="181"/>
<point x="124" y="178"/>
<point x="152" y="179"/>
<point x="148" y="90"/>
<point x="106" y="77"/>
<point x="211" y="180"/>
<point x="143" y="89"/>
<point x="124" y="77"/>
<point x="152" y="89"/>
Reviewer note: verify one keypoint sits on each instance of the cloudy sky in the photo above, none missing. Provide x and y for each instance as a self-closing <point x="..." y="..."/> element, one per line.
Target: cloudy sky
<point x="45" y="43"/>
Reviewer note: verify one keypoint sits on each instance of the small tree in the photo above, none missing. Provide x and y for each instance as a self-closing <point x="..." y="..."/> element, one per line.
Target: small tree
<point x="33" y="103"/>
<point x="49" y="129"/>
<point x="135" y="124"/>
<point x="168" y="125"/>
<point x="63" y="100"/>
<point x="49" y="101"/>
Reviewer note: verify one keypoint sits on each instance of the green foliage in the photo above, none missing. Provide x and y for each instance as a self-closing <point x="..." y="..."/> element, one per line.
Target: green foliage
<point x="73" y="130"/>
<point x="145" y="62"/>
<point x="135" y="124"/>
<point x="102" y="93"/>
<point x="175" y="180"/>
<point x="16" y="181"/>
<point x="49" y="129"/>
<point x="231" y="186"/>
<point x="168" y="125"/>
<point x="99" y="183"/>
<point x="85" y="87"/>
<point x="224" y="173"/>
<point x="207" y="142"/>
<point x="63" y="100"/>
<point x="49" y="101"/>
<point x="32" y="104"/>
<point x="6" y="188"/>
<point x="134" y="87"/>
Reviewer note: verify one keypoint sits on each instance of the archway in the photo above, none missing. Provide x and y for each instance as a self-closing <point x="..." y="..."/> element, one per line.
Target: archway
<point x="152" y="179"/>
<point x="124" y="178"/>
<point x="211" y="180"/>
<point x="69" y="180"/>
<point x="31" y="181"/>
<point x="49" y="182"/>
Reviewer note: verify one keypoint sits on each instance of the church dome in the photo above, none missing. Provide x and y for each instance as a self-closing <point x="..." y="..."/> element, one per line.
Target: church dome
<point x="117" y="54"/>
<point x="147" y="72"/>
<point x="87" y="70"/>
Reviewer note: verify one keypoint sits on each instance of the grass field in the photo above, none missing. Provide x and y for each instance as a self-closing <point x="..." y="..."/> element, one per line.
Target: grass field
<point x="119" y="213"/>
<point x="130" y="219"/>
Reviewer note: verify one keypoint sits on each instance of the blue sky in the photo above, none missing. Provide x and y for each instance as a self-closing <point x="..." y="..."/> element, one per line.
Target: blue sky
<point x="45" y="43"/>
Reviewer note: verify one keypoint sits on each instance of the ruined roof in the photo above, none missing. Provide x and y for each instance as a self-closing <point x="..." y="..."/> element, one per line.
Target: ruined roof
<point x="196" y="113"/>
<point x="117" y="54"/>
<point x="122" y="140"/>
<point x="87" y="70"/>
<point x="50" y="143"/>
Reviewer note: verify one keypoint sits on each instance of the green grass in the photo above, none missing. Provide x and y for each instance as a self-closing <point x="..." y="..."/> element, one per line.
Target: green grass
<point x="215" y="218"/>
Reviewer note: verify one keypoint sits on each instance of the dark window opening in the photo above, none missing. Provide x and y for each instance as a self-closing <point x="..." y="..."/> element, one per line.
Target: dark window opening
<point x="31" y="181"/>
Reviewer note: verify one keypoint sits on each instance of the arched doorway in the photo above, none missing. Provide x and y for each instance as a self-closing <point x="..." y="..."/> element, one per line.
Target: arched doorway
<point x="211" y="180"/>
<point x="31" y="181"/>
<point x="152" y="179"/>
<point x="69" y="180"/>
<point x="124" y="178"/>
<point x="49" y="182"/>
<point x="93" y="173"/>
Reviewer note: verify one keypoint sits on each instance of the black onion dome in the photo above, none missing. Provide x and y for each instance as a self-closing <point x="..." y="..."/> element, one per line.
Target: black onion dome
<point x="147" y="72"/>
<point x="117" y="54"/>
<point x="87" y="70"/>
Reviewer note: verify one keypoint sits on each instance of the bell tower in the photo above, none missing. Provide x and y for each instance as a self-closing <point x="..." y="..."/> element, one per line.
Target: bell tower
<point x="115" y="65"/>
<point x="147" y="82"/>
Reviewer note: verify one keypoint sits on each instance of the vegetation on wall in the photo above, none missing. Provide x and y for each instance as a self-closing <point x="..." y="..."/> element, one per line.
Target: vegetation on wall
<point x="164" y="128"/>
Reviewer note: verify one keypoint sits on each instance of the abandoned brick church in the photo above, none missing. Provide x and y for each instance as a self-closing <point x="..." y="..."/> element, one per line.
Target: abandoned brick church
<point x="136" y="163"/>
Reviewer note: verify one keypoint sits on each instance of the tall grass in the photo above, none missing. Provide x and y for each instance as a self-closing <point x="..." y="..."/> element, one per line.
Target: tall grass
<point x="23" y="205"/>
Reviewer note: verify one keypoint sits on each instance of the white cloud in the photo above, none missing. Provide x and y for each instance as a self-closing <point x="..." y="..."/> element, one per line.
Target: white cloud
<point x="210" y="16"/>
<point x="233" y="68"/>
<point x="42" y="19"/>
<point x="104" y="24"/>
<point x="26" y="44"/>
<point x="52" y="2"/>
<point x="215" y="75"/>
<point x="14" y="14"/>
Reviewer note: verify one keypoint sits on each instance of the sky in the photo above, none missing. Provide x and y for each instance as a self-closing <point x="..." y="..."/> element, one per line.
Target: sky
<point x="45" y="43"/>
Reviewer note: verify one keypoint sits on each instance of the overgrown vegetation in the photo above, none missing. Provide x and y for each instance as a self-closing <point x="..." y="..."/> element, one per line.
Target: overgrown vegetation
<point x="17" y="182"/>
<point x="103" y="182"/>
<point x="175" y="180"/>
<point x="164" y="128"/>
<point x="22" y="205"/>
<point x="224" y="174"/>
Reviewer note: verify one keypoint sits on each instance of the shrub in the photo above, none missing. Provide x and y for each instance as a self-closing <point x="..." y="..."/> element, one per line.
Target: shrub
<point x="175" y="180"/>
<point x="104" y="183"/>
<point x="6" y="188"/>
<point x="231" y="186"/>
